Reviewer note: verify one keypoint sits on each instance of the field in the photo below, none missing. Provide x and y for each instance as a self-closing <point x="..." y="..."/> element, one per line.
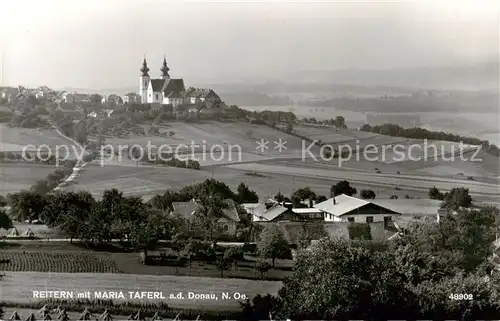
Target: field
<point x="207" y="133"/>
<point x="46" y="261"/>
<point x="17" y="176"/>
<point x="62" y="257"/>
<point x="14" y="138"/>
<point x="19" y="287"/>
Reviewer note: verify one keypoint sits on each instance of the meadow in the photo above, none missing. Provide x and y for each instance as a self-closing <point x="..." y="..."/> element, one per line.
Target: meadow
<point x="17" y="176"/>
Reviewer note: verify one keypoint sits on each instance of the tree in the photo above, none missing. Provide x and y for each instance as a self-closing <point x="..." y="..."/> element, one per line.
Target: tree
<point x="3" y="201"/>
<point x="342" y="187"/>
<point x="190" y="250"/>
<point x="321" y="198"/>
<point x="435" y="194"/>
<point x="262" y="266"/>
<point x="163" y="202"/>
<point x="367" y="194"/>
<point x="223" y="263"/>
<point x="289" y="128"/>
<point x="211" y="207"/>
<point x="302" y="194"/>
<point x="5" y="221"/>
<point x="95" y="98"/>
<point x="26" y="205"/>
<point x="272" y="243"/>
<point x="145" y="235"/>
<point x="245" y="195"/>
<point x="279" y="197"/>
<point x="340" y="279"/>
<point x="235" y="255"/>
<point x="340" y="122"/>
<point x="456" y="198"/>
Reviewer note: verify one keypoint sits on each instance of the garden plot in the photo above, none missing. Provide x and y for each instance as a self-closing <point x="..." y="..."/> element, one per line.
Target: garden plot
<point x="46" y="261"/>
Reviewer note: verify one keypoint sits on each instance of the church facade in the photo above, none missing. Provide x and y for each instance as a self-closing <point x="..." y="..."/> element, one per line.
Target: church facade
<point x="171" y="91"/>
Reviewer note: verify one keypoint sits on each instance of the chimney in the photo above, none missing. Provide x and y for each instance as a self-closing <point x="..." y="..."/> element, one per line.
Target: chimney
<point x="334" y="202"/>
<point x="311" y="203"/>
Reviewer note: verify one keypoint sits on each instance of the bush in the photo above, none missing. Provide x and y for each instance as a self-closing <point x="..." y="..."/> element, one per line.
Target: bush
<point x="359" y="231"/>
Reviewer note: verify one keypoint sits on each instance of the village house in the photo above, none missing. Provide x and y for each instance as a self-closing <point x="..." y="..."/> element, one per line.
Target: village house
<point x="227" y="223"/>
<point x="272" y="211"/>
<point x="131" y="98"/>
<point x="111" y="98"/>
<point x="351" y="209"/>
<point x="70" y="98"/>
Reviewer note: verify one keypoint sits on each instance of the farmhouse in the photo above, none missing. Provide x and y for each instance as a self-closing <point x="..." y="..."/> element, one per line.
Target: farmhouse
<point x="272" y="211"/>
<point x="227" y="223"/>
<point x="343" y="208"/>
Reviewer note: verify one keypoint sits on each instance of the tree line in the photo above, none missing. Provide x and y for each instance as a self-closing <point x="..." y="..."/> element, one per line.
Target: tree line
<point x="422" y="133"/>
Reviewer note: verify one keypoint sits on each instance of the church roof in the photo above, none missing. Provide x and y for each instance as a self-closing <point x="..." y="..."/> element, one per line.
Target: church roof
<point x="173" y="87"/>
<point x="200" y="92"/>
<point x="157" y="84"/>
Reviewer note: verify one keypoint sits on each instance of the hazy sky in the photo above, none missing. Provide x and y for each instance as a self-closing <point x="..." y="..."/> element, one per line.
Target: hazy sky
<point x="101" y="43"/>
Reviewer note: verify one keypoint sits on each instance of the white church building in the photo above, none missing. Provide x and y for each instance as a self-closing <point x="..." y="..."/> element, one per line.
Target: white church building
<point x="170" y="91"/>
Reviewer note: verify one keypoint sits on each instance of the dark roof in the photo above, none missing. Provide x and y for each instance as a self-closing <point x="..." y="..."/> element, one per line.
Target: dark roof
<point x="232" y="213"/>
<point x="173" y="87"/>
<point x="157" y="84"/>
<point x="201" y="92"/>
<point x="187" y="209"/>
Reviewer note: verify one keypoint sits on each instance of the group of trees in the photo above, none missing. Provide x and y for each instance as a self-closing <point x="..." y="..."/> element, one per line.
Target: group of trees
<point x="422" y="133"/>
<point x="28" y="119"/>
<point x="453" y="200"/>
<point x="338" y="121"/>
<point x="412" y="278"/>
<point x="114" y="215"/>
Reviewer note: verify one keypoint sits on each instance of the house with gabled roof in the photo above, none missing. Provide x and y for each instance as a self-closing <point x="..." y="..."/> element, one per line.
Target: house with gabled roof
<point x="343" y="208"/>
<point x="203" y="96"/>
<point x="227" y="223"/>
<point x="272" y="211"/>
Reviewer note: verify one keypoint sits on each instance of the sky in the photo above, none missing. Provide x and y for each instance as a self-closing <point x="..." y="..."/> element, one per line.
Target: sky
<point x="101" y="44"/>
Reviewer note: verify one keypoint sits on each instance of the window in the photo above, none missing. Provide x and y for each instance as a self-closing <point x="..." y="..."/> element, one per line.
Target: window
<point x="226" y="227"/>
<point x="369" y="219"/>
<point x="350" y="219"/>
<point x="157" y="97"/>
<point x="387" y="219"/>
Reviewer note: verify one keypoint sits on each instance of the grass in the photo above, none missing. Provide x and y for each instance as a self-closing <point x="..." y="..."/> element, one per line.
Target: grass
<point x="67" y="258"/>
<point x="18" y="176"/>
<point x="19" y="286"/>
<point x="119" y="311"/>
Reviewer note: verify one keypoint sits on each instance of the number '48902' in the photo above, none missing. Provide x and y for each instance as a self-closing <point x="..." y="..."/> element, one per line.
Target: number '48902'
<point x="461" y="296"/>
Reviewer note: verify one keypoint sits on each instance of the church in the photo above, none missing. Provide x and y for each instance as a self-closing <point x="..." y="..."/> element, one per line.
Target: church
<point x="171" y="91"/>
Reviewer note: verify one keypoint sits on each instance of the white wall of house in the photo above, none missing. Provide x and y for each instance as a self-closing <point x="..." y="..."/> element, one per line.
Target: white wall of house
<point x="361" y="218"/>
<point x="166" y="100"/>
<point x="332" y="218"/>
<point x="227" y="226"/>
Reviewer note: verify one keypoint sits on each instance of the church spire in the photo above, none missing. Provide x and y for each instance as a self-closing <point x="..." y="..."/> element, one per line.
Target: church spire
<point x="145" y="69"/>
<point x="165" y="69"/>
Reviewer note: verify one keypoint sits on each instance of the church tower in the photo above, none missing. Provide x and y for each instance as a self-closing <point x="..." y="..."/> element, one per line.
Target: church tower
<point x="144" y="82"/>
<point x="165" y="70"/>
